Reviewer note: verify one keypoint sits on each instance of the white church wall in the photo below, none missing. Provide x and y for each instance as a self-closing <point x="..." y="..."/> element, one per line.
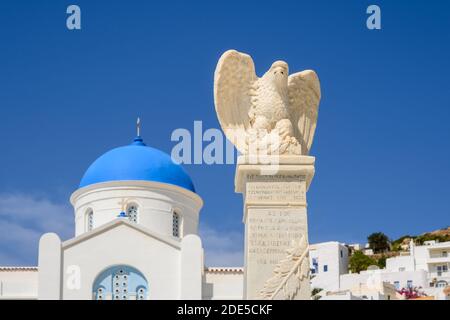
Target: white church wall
<point x="156" y="203"/>
<point x="18" y="283"/>
<point x="157" y="260"/>
<point x="49" y="265"/>
<point x="191" y="268"/>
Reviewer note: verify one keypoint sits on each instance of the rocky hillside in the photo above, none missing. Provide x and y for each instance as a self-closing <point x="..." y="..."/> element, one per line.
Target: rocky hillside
<point x="402" y="243"/>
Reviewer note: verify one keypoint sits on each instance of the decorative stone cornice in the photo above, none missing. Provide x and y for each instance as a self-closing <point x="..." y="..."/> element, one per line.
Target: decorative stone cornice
<point x="231" y="270"/>
<point x="14" y="269"/>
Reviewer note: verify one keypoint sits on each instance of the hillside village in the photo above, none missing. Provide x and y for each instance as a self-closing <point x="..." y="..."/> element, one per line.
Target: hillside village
<point x="410" y="267"/>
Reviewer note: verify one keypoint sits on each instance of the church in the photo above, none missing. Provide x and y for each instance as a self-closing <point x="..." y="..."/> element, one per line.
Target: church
<point x="136" y="218"/>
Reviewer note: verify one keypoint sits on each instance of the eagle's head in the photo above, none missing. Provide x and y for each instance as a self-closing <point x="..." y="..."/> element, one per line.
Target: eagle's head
<point x="278" y="74"/>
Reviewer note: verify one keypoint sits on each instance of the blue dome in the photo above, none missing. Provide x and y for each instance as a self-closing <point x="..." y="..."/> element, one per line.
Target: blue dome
<point x="136" y="162"/>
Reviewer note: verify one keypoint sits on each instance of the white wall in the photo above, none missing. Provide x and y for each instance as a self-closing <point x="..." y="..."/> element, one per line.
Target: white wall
<point x="400" y="263"/>
<point x="223" y="285"/>
<point x="49" y="262"/>
<point x="18" y="283"/>
<point x="191" y="268"/>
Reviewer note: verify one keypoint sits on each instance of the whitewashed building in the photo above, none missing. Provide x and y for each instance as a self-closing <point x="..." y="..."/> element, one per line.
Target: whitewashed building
<point x="432" y="257"/>
<point x="425" y="268"/>
<point x="328" y="261"/>
<point x="136" y="237"/>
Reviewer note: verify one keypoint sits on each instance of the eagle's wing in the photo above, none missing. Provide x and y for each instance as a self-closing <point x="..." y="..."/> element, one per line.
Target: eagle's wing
<point x="234" y="79"/>
<point x="304" y="98"/>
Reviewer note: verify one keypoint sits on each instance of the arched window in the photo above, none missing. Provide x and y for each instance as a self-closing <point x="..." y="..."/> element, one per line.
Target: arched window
<point x="176" y="221"/>
<point x="89" y="220"/>
<point x="120" y="283"/>
<point x="132" y="212"/>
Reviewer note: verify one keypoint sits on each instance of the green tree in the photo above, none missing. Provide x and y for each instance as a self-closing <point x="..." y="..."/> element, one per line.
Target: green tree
<point x="360" y="262"/>
<point x="382" y="262"/>
<point x="378" y="242"/>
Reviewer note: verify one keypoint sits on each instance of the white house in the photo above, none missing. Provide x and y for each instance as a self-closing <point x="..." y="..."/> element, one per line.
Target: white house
<point x="432" y="257"/>
<point x="136" y="237"/>
<point x="328" y="261"/>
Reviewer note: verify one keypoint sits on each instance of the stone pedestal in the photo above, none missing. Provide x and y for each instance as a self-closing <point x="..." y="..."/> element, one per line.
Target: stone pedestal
<point x="276" y="228"/>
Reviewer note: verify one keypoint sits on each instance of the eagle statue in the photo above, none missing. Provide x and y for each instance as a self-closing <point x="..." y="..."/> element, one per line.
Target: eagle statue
<point x="272" y="115"/>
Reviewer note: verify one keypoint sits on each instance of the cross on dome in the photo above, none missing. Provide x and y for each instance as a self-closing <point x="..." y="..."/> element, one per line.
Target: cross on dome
<point x="138" y="126"/>
<point x="138" y="141"/>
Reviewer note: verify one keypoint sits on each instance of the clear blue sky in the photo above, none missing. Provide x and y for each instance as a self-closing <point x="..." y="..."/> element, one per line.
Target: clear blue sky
<point x="383" y="137"/>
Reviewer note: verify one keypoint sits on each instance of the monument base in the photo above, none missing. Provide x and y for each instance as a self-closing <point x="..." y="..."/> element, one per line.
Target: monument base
<point x="276" y="227"/>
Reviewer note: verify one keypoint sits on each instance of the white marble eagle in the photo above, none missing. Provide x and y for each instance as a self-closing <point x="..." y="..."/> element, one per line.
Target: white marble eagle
<point x="275" y="114"/>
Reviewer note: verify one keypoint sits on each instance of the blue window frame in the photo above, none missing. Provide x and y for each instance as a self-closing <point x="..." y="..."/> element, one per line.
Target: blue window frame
<point x="315" y="263"/>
